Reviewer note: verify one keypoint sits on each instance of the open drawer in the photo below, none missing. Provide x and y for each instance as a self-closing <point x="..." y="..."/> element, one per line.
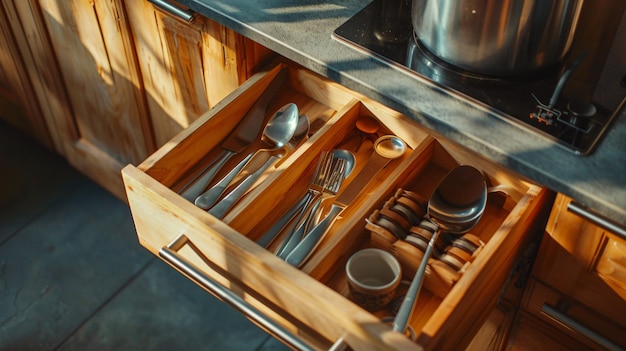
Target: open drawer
<point x="312" y="302"/>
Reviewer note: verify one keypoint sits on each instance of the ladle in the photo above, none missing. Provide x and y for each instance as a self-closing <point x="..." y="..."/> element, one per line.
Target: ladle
<point x="455" y="207"/>
<point x="386" y="148"/>
<point x="279" y="130"/>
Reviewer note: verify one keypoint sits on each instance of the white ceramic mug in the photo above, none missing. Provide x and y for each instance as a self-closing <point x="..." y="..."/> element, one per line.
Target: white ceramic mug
<point x="373" y="276"/>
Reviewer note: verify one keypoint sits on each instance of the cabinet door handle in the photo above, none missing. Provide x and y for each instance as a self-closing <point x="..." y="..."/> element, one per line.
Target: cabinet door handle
<point x="170" y="254"/>
<point x="564" y="319"/>
<point x="185" y="15"/>
<point x="597" y="219"/>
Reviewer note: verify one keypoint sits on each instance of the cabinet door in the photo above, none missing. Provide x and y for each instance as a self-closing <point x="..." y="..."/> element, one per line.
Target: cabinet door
<point x="187" y="66"/>
<point x="17" y="100"/>
<point x="586" y="267"/>
<point x="87" y="80"/>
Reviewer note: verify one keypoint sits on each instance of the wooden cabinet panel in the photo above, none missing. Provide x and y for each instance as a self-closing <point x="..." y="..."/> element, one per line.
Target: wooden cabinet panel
<point x="18" y="105"/>
<point x="581" y="272"/>
<point x="187" y="67"/>
<point x="82" y="66"/>
<point x="97" y="62"/>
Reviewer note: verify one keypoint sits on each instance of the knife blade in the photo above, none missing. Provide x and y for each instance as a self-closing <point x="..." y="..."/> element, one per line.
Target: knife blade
<point x="243" y="135"/>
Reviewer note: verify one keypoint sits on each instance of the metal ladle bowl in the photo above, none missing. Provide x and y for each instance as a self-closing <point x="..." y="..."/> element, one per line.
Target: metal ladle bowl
<point x="455" y="207"/>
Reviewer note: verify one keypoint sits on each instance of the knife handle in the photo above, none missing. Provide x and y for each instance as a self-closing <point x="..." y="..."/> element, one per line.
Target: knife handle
<point x="310" y="242"/>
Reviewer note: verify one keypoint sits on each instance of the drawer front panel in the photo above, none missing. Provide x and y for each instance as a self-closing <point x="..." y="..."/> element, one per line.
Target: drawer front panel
<point x="595" y="274"/>
<point x="573" y="318"/>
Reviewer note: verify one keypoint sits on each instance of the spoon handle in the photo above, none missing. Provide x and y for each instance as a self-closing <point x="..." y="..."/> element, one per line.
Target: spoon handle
<point x="406" y="309"/>
<point x="221" y="208"/>
<point x="208" y="198"/>
<point x="196" y="185"/>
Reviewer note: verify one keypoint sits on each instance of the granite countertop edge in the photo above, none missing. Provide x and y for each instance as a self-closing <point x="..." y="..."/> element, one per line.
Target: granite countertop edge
<point x="302" y="31"/>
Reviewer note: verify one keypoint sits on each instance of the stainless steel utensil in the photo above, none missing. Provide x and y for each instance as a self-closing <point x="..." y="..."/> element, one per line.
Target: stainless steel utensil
<point x="456" y="206"/>
<point x="386" y="148"/>
<point x="245" y="133"/>
<point x="277" y="132"/>
<point x="342" y="162"/>
<point x="224" y="205"/>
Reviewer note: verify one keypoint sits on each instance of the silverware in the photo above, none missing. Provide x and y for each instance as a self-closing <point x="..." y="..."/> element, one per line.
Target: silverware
<point x="386" y="148"/>
<point x="277" y="132"/>
<point x="245" y="133"/>
<point x="225" y="204"/>
<point x="319" y="181"/>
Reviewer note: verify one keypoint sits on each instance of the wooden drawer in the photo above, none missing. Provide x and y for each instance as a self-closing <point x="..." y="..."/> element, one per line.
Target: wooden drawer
<point x="313" y="302"/>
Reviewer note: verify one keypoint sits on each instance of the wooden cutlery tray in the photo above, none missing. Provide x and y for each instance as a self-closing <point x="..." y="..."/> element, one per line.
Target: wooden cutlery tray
<point x="313" y="302"/>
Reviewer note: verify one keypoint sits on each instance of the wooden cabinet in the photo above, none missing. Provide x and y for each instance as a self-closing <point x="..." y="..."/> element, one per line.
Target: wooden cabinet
<point x="579" y="279"/>
<point x="106" y="82"/>
<point x="187" y="66"/>
<point x="82" y="66"/>
<point x="18" y="104"/>
<point x="312" y="303"/>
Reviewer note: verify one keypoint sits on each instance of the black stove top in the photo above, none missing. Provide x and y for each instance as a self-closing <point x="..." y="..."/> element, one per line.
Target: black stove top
<point x="387" y="34"/>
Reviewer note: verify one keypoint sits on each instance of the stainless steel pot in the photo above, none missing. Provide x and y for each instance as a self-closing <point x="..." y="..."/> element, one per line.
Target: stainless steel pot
<point x="497" y="37"/>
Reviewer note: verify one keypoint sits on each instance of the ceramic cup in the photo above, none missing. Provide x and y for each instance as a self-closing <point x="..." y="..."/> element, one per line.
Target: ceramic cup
<point x="373" y="276"/>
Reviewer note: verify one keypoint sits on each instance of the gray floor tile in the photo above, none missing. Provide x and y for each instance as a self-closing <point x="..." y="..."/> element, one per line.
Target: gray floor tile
<point x="63" y="266"/>
<point x="72" y="273"/>
<point x="32" y="177"/>
<point x="162" y="310"/>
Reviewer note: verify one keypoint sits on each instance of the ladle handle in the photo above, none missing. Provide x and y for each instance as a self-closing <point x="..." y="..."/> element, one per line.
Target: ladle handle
<point x="406" y="309"/>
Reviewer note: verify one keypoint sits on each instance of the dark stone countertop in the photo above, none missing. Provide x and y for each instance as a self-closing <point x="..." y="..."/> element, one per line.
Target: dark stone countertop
<point x="301" y="31"/>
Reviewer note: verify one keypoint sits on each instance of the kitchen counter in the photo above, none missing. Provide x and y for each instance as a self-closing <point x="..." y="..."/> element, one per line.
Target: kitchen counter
<point x="301" y="31"/>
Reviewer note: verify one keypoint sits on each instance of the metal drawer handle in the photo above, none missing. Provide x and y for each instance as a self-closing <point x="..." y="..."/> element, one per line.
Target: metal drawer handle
<point x="597" y="219"/>
<point x="578" y="327"/>
<point x="185" y="15"/>
<point x="170" y="254"/>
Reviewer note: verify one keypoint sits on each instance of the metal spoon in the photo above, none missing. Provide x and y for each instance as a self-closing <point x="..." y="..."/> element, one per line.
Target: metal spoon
<point x="277" y="132"/>
<point x="456" y="206"/>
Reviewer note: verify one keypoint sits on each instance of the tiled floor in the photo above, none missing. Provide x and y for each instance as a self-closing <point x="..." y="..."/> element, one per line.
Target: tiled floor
<point x="73" y="276"/>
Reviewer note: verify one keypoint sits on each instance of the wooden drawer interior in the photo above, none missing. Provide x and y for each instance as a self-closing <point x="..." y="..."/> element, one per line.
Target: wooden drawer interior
<point x="316" y="297"/>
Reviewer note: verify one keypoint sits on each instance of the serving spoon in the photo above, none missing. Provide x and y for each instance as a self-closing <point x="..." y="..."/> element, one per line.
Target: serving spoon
<point x="278" y="131"/>
<point x="455" y="207"/>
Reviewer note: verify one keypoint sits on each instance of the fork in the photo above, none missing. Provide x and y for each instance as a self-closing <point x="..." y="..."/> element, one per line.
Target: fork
<point x="330" y="190"/>
<point x="315" y="190"/>
<point x="332" y="182"/>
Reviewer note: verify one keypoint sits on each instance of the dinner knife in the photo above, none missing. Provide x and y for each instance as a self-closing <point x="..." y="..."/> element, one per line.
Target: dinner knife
<point x="244" y="134"/>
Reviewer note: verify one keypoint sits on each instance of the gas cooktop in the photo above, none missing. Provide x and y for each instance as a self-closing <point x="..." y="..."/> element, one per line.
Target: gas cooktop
<point x="531" y="101"/>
